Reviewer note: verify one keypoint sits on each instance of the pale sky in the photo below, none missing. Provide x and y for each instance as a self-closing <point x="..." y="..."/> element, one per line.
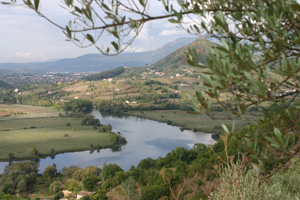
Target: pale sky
<point x="25" y="37"/>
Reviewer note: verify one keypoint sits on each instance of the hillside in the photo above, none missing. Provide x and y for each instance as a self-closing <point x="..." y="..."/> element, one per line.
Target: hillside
<point x="5" y="85"/>
<point x="176" y="61"/>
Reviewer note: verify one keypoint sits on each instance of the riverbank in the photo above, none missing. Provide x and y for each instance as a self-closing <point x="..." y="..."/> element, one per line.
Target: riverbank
<point x="28" y="138"/>
<point x="197" y="122"/>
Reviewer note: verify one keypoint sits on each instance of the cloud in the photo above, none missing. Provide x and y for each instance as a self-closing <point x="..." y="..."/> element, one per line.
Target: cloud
<point x="23" y="55"/>
<point x="144" y="35"/>
<point x="172" y="32"/>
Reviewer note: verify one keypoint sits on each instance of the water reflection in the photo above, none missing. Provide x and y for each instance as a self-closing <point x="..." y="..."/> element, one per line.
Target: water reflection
<point x="146" y="138"/>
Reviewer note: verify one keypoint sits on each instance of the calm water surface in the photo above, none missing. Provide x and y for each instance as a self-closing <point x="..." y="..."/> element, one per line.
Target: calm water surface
<point x="146" y="138"/>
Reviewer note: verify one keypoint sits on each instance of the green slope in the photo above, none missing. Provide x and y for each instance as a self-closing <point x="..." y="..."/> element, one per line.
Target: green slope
<point x="176" y="61"/>
<point x="5" y="85"/>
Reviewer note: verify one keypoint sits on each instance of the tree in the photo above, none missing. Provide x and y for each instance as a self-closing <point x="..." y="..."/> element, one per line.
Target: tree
<point x="256" y="61"/>
<point x="50" y="171"/>
<point x="110" y="170"/>
<point x="55" y="187"/>
<point x="90" y="181"/>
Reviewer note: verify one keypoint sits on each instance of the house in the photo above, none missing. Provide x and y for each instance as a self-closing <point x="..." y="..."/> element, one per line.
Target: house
<point x="16" y="90"/>
<point x="50" y="92"/>
<point x="110" y="79"/>
<point x="183" y="85"/>
<point x="67" y="193"/>
<point x="22" y="93"/>
<point x="177" y="91"/>
<point x="177" y="75"/>
<point x="84" y="193"/>
<point x="127" y="102"/>
<point x="117" y="90"/>
<point x="76" y="97"/>
<point x="59" y="83"/>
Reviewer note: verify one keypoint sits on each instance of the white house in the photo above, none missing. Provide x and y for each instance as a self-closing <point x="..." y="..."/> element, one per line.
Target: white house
<point x="84" y="193"/>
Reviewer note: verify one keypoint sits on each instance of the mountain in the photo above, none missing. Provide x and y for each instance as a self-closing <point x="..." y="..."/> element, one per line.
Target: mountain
<point x="98" y="62"/>
<point x="177" y="59"/>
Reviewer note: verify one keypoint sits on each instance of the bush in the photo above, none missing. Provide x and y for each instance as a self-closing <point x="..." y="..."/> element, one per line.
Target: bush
<point x="199" y="182"/>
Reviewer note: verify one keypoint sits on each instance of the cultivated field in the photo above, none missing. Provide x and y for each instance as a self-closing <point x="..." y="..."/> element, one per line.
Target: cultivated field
<point x="25" y="111"/>
<point x="21" y="132"/>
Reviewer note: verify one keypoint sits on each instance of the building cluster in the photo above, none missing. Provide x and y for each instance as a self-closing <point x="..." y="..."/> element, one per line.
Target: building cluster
<point x="151" y="71"/>
<point x="49" y="77"/>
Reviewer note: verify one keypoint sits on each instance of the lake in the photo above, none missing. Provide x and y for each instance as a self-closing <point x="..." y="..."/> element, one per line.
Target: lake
<point x="146" y="138"/>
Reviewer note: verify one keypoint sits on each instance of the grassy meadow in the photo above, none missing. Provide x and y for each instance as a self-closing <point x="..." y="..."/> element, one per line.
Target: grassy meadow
<point x="200" y="122"/>
<point x="19" y="135"/>
<point x="8" y="111"/>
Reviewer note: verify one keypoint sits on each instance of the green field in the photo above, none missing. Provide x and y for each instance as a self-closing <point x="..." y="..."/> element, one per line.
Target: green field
<point x="18" y="136"/>
<point x="199" y="122"/>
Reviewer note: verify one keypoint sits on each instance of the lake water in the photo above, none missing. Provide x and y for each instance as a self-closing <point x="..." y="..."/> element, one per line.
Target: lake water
<point x="146" y="138"/>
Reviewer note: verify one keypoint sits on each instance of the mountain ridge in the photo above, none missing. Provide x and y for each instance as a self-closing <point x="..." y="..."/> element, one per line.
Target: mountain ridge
<point x="98" y="62"/>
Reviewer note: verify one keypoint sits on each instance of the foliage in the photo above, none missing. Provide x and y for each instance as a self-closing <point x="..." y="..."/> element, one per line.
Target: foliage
<point x="90" y="181"/>
<point x="5" y="85"/>
<point x="129" y="186"/>
<point x="55" y="187"/>
<point x="237" y="182"/>
<point x="73" y="172"/>
<point x="110" y="170"/>
<point x="90" y="120"/>
<point x="7" y="96"/>
<point x="151" y="82"/>
<point x="78" y="105"/>
<point x="50" y="171"/>
<point x="104" y="75"/>
<point x="18" y="177"/>
<point x="5" y="196"/>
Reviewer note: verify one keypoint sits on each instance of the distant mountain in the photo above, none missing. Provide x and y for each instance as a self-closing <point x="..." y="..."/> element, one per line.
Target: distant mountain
<point x="176" y="61"/>
<point x="98" y="62"/>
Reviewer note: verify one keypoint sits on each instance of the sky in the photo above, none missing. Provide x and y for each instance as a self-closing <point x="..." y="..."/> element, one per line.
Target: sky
<point x="26" y="37"/>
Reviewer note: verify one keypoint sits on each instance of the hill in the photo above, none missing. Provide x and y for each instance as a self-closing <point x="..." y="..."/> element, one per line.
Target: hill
<point x="176" y="61"/>
<point x="106" y="74"/>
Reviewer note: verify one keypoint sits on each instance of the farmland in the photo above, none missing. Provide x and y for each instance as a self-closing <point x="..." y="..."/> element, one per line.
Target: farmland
<point x="48" y="135"/>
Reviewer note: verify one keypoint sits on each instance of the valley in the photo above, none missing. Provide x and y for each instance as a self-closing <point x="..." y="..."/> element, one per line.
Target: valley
<point x="133" y="127"/>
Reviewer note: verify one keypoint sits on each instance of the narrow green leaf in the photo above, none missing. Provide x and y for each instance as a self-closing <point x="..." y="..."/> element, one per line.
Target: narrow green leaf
<point x="90" y="38"/>
<point x="105" y="7"/>
<point x="225" y="128"/>
<point x="36" y="4"/>
<point x="116" y="46"/>
<point x="278" y="135"/>
<point x="174" y="21"/>
<point x="142" y="2"/>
